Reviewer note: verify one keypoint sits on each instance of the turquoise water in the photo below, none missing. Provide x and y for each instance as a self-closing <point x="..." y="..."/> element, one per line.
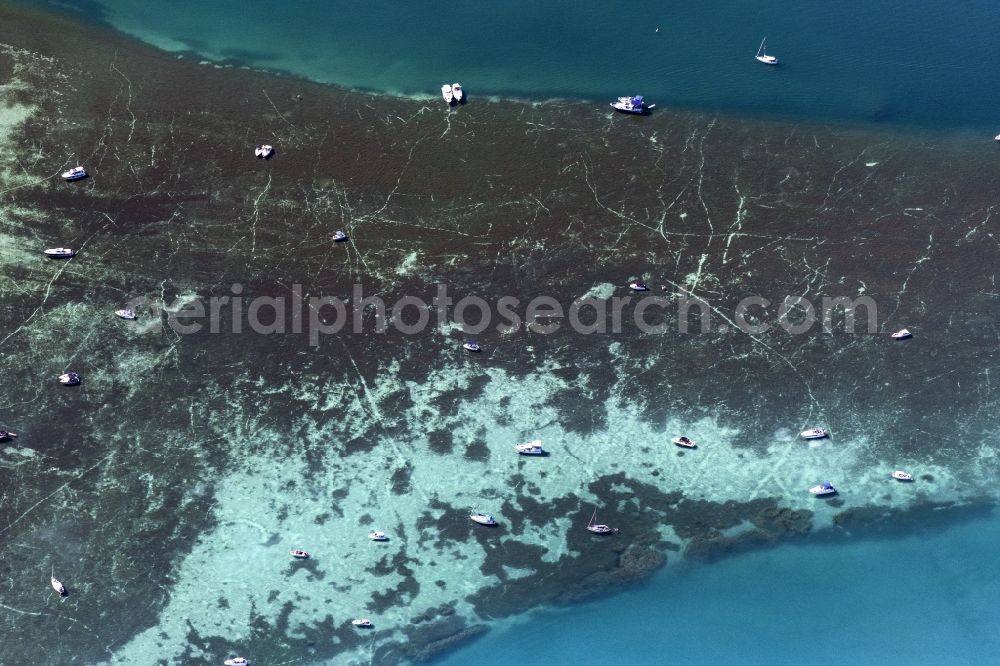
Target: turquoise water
<point x="923" y="599"/>
<point x="920" y="62"/>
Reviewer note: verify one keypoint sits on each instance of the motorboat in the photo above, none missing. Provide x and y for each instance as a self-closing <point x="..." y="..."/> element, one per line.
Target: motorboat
<point x="456" y="90"/>
<point x="362" y="623"/>
<point x="638" y="286"/>
<point x="997" y="137"/>
<point x="825" y="488"/>
<point x="598" y="528"/>
<point x="900" y="475"/>
<point x="299" y="554"/>
<point x="901" y="334"/>
<point x="813" y="433"/>
<point x="127" y="313"/>
<point x="70" y="378"/>
<point x="236" y="661"/>
<point x="532" y="448"/>
<point x="763" y="57"/>
<point x="472" y="346"/>
<point x="634" y="105"/>
<point x="339" y="236"/>
<point x="58" y="586"/>
<point x="263" y="152"/>
<point x="686" y="442"/>
<point x="448" y="93"/>
<point x="59" y="252"/>
<point x="76" y="173"/>
<point x="6" y="434"/>
<point x="377" y="536"/>
<point x="482" y="518"/>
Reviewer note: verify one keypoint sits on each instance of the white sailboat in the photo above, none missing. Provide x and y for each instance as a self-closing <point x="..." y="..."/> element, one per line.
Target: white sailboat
<point x="596" y="528"/>
<point x="763" y="57"/>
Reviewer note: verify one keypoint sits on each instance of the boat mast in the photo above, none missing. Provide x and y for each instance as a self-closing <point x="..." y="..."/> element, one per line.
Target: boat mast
<point x="761" y="49"/>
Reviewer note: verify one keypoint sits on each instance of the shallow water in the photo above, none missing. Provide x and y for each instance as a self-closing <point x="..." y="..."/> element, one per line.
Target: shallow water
<point x="221" y="451"/>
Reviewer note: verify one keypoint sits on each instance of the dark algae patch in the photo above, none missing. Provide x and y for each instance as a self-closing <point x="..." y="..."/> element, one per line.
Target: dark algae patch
<point x="167" y="489"/>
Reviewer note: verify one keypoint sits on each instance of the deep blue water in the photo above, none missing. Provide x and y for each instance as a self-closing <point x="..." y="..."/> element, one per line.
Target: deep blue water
<point x="924" y="599"/>
<point x="912" y="62"/>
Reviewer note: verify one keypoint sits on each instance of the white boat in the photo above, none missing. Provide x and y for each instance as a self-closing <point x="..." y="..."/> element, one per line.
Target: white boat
<point x="70" y="378"/>
<point x="58" y="586"/>
<point x="236" y="661"/>
<point x="299" y="554"/>
<point x="900" y="475"/>
<point x="813" y="433"/>
<point x="377" y="536"/>
<point x="447" y="93"/>
<point x="825" y="488"/>
<point x="997" y="137"/>
<point x="339" y="236"/>
<point x="596" y="528"/>
<point x="127" y="313"/>
<point x="901" y="334"/>
<point x="6" y="434"/>
<point x="634" y="105"/>
<point x="471" y="346"/>
<point x="362" y="623"/>
<point x="263" y="152"/>
<point x="59" y="252"/>
<point x="456" y="90"/>
<point x="763" y="57"/>
<point x="686" y="442"/>
<point x="482" y="518"/>
<point x="532" y="448"/>
<point x="638" y="286"/>
<point x="76" y="173"/>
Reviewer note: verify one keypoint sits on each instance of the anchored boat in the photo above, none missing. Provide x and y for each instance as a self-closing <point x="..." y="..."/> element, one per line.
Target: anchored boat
<point x="70" y="378"/>
<point x="532" y="448"/>
<point x="600" y="528"/>
<point x="825" y="488"/>
<point x="763" y="57"/>
<point x="76" y="173"/>
<point x="482" y="518"/>
<point x="635" y="105"/>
